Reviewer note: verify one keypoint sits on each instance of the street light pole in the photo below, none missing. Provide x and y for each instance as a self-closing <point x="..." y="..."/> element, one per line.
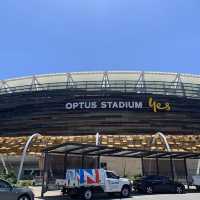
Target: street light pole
<point x="24" y="154"/>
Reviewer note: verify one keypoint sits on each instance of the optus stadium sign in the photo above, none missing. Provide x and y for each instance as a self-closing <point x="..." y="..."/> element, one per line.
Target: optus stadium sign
<point x="119" y="104"/>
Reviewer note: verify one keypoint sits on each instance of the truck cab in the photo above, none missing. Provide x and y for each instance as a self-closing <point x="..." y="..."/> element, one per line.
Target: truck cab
<point x="114" y="183"/>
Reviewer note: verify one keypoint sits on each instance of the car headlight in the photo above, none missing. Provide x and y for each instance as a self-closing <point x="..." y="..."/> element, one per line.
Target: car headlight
<point x="131" y="182"/>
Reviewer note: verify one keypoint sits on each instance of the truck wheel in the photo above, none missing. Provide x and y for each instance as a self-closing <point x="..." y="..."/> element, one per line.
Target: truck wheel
<point x="179" y="190"/>
<point x="24" y="197"/>
<point x="125" y="192"/>
<point x="87" y="194"/>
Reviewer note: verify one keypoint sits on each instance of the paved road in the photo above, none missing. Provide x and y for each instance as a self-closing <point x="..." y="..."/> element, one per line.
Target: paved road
<point x="55" y="195"/>
<point x="190" y="196"/>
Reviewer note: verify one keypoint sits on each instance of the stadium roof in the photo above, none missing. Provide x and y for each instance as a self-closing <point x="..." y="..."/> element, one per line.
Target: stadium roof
<point x="134" y="81"/>
<point x="98" y="75"/>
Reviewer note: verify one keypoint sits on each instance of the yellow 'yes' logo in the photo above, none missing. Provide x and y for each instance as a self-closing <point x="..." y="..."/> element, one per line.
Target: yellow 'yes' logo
<point x="158" y="106"/>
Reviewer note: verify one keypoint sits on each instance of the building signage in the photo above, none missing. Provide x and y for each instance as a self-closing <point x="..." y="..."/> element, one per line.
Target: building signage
<point x="154" y="105"/>
<point x="104" y="105"/>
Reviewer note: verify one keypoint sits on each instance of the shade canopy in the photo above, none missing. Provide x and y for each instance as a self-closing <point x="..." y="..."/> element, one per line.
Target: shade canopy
<point x="102" y="150"/>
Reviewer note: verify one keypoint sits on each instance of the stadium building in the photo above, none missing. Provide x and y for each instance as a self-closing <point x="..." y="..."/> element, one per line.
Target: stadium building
<point x="126" y="108"/>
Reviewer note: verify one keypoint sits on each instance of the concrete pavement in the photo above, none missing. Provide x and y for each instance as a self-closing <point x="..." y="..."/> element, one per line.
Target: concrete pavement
<point x="55" y="195"/>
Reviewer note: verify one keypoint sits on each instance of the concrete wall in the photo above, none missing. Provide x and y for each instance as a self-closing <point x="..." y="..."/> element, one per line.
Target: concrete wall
<point x="123" y="166"/>
<point x="192" y="165"/>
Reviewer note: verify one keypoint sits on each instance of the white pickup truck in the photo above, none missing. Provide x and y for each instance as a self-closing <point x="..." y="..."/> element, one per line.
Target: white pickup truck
<point x="85" y="182"/>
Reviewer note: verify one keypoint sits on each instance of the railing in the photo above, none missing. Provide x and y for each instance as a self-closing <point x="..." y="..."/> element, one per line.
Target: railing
<point x="153" y="87"/>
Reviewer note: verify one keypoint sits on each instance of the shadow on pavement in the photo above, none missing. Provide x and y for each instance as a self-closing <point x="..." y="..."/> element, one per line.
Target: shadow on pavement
<point x="106" y="197"/>
<point x="98" y="197"/>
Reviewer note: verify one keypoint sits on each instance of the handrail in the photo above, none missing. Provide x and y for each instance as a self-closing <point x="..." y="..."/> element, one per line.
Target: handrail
<point x="153" y="87"/>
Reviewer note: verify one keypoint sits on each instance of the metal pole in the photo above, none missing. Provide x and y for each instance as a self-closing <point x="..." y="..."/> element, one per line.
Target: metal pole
<point x="172" y="168"/>
<point x="97" y="137"/>
<point x="98" y="162"/>
<point x="198" y="167"/>
<point x="65" y="166"/>
<point x="142" y="162"/>
<point x="186" y="172"/>
<point x="44" y="175"/>
<point x="82" y="161"/>
<point x="157" y="167"/>
<point x="24" y="154"/>
<point x="164" y="139"/>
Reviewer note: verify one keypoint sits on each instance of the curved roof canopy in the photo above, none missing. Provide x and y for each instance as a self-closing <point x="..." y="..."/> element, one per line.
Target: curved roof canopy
<point x="141" y="82"/>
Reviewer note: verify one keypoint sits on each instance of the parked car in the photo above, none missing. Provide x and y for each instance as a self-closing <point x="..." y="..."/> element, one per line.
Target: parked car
<point x="9" y="192"/>
<point x="86" y="182"/>
<point x="157" y="184"/>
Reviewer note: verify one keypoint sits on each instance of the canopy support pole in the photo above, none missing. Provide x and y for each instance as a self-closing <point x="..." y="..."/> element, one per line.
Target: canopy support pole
<point x="172" y="168"/>
<point x="142" y="162"/>
<point x="65" y="165"/>
<point x="45" y="175"/>
<point x="157" y="167"/>
<point x="186" y="172"/>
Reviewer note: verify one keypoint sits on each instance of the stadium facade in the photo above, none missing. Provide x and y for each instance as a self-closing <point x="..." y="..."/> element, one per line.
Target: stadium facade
<point x="109" y="102"/>
<point x="125" y="107"/>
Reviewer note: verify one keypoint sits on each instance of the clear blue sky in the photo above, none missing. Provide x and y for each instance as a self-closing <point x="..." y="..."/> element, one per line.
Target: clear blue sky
<point x="46" y="36"/>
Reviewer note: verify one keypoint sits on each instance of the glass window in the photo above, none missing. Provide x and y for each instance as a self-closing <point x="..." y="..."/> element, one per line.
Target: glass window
<point x="4" y="185"/>
<point x="165" y="179"/>
<point x="158" y="178"/>
<point x="152" y="177"/>
<point x="112" y="175"/>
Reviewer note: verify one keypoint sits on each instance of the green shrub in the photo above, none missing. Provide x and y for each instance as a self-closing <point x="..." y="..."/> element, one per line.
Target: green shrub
<point x="10" y="177"/>
<point x="135" y="177"/>
<point x="25" y="183"/>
